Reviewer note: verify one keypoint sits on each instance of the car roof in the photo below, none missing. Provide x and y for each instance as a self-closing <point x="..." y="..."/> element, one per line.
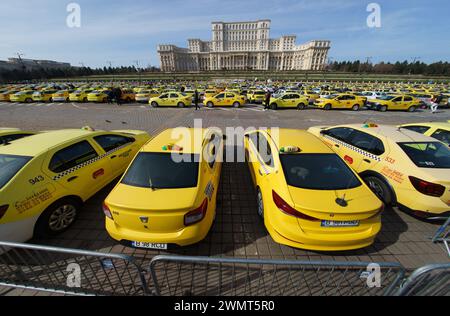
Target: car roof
<point x="171" y="136"/>
<point x="307" y="142"/>
<point x="441" y="125"/>
<point x="39" y="143"/>
<point x="391" y="132"/>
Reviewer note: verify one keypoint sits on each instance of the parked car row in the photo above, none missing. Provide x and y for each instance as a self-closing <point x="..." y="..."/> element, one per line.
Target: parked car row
<point x="322" y="189"/>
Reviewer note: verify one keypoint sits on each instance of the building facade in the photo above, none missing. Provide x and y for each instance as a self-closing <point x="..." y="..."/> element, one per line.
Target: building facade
<point x="244" y="46"/>
<point x="30" y="64"/>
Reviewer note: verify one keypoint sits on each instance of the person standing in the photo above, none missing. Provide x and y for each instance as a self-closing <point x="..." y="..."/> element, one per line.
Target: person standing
<point x="435" y="103"/>
<point x="118" y="96"/>
<point x="267" y="101"/>
<point x="196" y="100"/>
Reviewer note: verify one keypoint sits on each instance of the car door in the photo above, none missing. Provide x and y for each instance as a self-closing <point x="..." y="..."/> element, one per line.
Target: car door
<point x="118" y="149"/>
<point x="213" y="150"/>
<point x="78" y="168"/>
<point x="340" y="102"/>
<point x="219" y="99"/>
<point x="397" y="103"/>
<point x="337" y="138"/>
<point x="365" y="150"/>
<point x="230" y="99"/>
<point x="164" y="99"/>
<point x="408" y="102"/>
<point x="173" y="99"/>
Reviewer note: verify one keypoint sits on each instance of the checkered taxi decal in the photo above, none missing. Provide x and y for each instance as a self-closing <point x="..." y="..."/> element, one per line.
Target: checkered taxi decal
<point x="356" y="149"/>
<point x="87" y="163"/>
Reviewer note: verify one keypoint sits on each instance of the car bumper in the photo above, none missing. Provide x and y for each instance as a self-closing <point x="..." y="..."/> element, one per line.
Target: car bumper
<point x="422" y="203"/>
<point x="188" y="236"/>
<point x="287" y="231"/>
<point x="59" y="99"/>
<point x="19" y="231"/>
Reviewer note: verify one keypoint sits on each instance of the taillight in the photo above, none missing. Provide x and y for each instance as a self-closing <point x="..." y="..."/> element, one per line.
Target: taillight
<point x="3" y="210"/>
<point x="427" y="188"/>
<point x="287" y="209"/>
<point x="107" y="211"/>
<point x="197" y="215"/>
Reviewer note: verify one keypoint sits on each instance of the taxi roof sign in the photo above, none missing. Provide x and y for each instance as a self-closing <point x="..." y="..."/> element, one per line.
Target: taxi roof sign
<point x="290" y="150"/>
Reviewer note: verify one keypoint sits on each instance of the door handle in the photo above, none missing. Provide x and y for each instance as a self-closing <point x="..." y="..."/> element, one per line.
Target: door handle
<point x="367" y="160"/>
<point x="98" y="173"/>
<point x="72" y="179"/>
<point x="113" y="157"/>
<point x="336" y="145"/>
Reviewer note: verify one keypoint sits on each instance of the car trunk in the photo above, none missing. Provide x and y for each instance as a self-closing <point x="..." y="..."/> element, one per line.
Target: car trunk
<point x="321" y="204"/>
<point x="442" y="177"/>
<point x="161" y="210"/>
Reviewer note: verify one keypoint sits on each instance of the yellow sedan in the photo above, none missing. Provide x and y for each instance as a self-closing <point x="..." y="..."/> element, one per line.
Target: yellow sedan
<point x="225" y="99"/>
<point x="43" y="96"/>
<point x="340" y="101"/>
<point x="289" y="100"/>
<point x="178" y="99"/>
<point x="168" y="194"/>
<point x="307" y="195"/>
<point x="22" y="96"/>
<point x="80" y="95"/>
<point x="395" y="103"/>
<point x="437" y="130"/>
<point x="45" y="178"/>
<point x="402" y="167"/>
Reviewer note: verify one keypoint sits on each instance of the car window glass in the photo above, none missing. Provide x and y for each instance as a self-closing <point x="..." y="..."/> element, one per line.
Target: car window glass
<point x="10" y="166"/>
<point x="265" y="150"/>
<point x="428" y="154"/>
<point x="417" y="129"/>
<point x="340" y="133"/>
<point x="72" y="156"/>
<point x="110" y="142"/>
<point x="367" y="142"/>
<point x="220" y="96"/>
<point x="443" y="136"/>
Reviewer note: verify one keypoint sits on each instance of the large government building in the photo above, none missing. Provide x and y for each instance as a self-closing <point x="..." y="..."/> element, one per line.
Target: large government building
<point x="244" y="46"/>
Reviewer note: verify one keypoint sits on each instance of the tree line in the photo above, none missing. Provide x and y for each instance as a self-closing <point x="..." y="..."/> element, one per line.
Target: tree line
<point x="16" y="75"/>
<point x="398" y="68"/>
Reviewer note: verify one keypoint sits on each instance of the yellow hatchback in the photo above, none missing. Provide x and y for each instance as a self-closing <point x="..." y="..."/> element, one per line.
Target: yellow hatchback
<point x="225" y="99"/>
<point x="402" y="167"/>
<point x="80" y="95"/>
<point x="307" y="195"/>
<point x="22" y="96"/>
<point x="168" y="194"/>
<point x="45" y="178"/>
<point x="43" y="96"/>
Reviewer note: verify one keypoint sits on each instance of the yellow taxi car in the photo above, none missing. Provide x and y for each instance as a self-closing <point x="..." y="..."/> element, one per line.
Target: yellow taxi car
<point x="6" y="95"/>
<point x="395" y="103"/>
<point x="311" y="95"/>
<point x="43" y="95"/>
<point x="209" y="93"/>
<point x="340" y="101"/>
<point x="225" y="99"/>
<point x="56" y="172"/>
<point x="100" y="95"/>
<point x="80" y="95"/>
<point x="168" y="194"/>
<point x="289" y="100"/>
<point x="437" y="130"/>
<point x="22" y="96"/>
<point x="127" y="95"/>
<point x="178" y="99"/>
<point x="8" y="135"/>
<point x="256" y="96"/>
<point x="308" y="197"/>
<point x="62" y="96"/>
<point x="145" y="95"/>
<point x="402" y="167"/>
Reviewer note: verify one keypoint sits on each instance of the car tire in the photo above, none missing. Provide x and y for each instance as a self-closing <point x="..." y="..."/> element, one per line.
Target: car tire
<point x="412" y="109"/>
<point x="381" y="189"/>
<point x="327" y="107"/>
<point x="105" y="100"/>
<point x="181" y="105"/>
<point x="57" y="218"/>
<point x="259" y="203"/>
<point x="383" y="108"/>
<point x="274" y="106"/>
<point x="28" y="100"/>
<point x="210" y="105"/>
<point x="355" y="107"/>
<point x="67" y="100"/>
<point x="154" y="104"/>
<point x="85" y="100"/>
<point x="128" y="100"/>
<point x="301" y="106"/>
<point x="236" y="104"/>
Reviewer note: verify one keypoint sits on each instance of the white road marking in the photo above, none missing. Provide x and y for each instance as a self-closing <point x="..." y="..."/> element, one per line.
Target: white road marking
<point x="224" y="109"/>
<point x="78" y="107"/>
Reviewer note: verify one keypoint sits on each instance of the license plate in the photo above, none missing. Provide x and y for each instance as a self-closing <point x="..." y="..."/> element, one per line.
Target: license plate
<point x="148" y="245"/>
<point x="340" y="224"/>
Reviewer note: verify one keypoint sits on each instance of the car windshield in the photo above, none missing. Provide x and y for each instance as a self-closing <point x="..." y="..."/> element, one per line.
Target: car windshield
<point x="318" y="172"/>
<point x="10" y="166"/>
<point x="386" y="97"/>
<point x="427" y="154"/>
<point x="160" y="171"/>
<point x="331" y="96"/>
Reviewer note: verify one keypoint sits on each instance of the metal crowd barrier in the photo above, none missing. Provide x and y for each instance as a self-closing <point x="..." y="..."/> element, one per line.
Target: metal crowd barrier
<point x="432" y="280"/>
<point x="69" y="271"/>
<point x="203" y="276"/>
<point x="443" y="235"/>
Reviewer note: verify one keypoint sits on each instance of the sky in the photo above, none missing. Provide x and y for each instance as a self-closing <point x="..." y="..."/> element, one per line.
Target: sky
<point x="123" y="32"/>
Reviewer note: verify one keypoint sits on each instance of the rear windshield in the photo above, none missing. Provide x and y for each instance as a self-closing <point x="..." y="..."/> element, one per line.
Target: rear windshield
<point x="159" y="171"/>
<point x="427" y="154"/>
<point x="318" y="172"/>
<point x="9" y="166"/>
